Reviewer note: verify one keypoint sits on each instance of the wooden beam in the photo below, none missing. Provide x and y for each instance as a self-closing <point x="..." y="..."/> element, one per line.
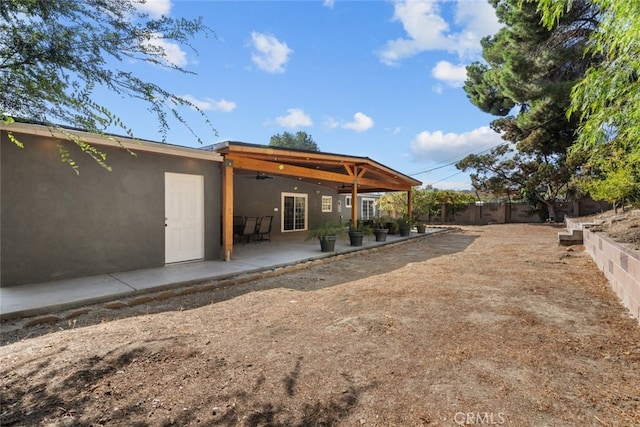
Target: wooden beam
<point x="409" y="206"/>
<point x="318" y="160"/>
<point x="347" y="167"/>
<point x="387" y="186"/>
<point x="227" y="209"/>
<point x="285" y="169"/>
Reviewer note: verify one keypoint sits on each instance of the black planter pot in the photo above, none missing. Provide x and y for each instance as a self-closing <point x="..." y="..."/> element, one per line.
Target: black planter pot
<point x="381" y="234"/>
<point x="405" y="231"/>
<point x="421" y="228"/>
<point x="356" y="238"/>
<point x="328" y="244"/>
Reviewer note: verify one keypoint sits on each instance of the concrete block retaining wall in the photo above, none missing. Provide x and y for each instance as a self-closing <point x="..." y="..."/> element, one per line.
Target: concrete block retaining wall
<point x="505" y="213"/>
<point x="620" y="265"/>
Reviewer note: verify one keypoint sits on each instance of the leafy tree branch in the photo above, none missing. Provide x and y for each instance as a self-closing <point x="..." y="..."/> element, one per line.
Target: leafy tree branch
<point x="55" y="54"/>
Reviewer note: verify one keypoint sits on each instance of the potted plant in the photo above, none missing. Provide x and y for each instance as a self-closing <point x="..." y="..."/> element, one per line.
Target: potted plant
<point x="404" y="226"/>
<point x="327" y="233"/>
<point x="392" y="226"/>
<point x="357" y="233"/>
<point x="422" y="228"/>
<point x="380" y="229"/>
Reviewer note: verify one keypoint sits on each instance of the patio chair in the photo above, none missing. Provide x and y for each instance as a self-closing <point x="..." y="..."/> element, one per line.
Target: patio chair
<point x="249" y="229"/>
<point x="263" y="232"/>
<point x="238" y="227"/>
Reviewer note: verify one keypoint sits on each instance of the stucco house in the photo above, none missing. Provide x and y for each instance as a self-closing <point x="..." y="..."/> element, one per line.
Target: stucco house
<point x="160" y="203"/>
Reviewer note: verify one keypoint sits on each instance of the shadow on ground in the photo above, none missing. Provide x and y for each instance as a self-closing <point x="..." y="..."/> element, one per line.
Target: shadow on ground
<point x="91" y="392"/>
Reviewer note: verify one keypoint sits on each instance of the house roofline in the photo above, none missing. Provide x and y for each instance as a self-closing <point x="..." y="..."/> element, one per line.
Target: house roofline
<point x="108" y="140"/>
<point x="227" y="146"/>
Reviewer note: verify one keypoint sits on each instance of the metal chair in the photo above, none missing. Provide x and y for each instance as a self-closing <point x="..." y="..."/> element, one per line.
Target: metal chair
<point x="238" y="227"/>
<point x="249" y="229"/>
<point x="263" y="232"/>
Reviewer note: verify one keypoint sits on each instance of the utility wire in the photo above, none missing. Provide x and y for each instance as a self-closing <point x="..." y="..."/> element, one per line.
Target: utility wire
<point x="480" y="152"/>
<point x="444" y="179"/>
<point x="452" y="163"/>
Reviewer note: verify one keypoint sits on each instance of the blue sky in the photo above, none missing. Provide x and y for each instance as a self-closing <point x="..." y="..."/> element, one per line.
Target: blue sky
<point x="381" y="79"/>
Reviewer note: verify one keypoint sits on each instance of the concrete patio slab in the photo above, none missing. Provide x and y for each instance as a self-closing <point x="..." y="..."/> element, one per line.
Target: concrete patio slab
<point x="46" y="297"/>
<point x="31" y="299"/>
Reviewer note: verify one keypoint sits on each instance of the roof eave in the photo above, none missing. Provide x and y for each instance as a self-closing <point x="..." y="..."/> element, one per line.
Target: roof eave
<point x="111" y="141"/>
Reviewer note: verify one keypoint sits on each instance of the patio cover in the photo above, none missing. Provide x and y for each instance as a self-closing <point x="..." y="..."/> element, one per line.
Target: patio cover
<point x="346" y="174"/>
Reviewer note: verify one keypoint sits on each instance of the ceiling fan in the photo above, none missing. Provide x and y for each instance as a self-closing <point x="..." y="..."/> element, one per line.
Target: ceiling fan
<point x="262" y="175"/>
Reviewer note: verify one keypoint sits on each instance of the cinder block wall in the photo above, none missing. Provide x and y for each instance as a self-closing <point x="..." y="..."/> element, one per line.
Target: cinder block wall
<point x="620" y="265"/>
<point x="501" y="213"/>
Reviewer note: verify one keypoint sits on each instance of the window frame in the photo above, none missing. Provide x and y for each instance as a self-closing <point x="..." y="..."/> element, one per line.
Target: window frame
<point x="327" y="204"/>
<point x="368" y="214"/>
<point x="295" y="219"/>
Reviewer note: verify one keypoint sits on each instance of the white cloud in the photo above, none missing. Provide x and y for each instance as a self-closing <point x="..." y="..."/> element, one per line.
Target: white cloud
<point x="270" y="54"/>
<point x="453" y="75"/>
<point x="295" y="118"/>
<point x="478" y="19"/>
<point x="224" y="105"/>
<point x="330" y="123"/>
<point x="155" y="8"/>
<point x="394" y="131"/>
<point x="328" y="3"/>
<point x="360" y="123"/>
<point x="173" y="54"/>
<point x="209" y="104"/>
<point x="426" y="29"/>
<point x="439" y="147"/>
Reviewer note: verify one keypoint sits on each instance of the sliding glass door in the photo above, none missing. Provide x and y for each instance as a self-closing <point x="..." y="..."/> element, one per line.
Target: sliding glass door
<point x="294" y="212"/>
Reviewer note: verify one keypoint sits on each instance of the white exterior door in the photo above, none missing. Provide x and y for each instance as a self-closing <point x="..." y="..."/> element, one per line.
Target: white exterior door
<point x="184" y="217"/>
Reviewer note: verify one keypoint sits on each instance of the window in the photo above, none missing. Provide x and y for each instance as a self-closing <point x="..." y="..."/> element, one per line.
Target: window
<point x="347" y="202"/>
<point x="368" y="208"/>
<point x="327" y="204"/>
<point x="294" y="212"/>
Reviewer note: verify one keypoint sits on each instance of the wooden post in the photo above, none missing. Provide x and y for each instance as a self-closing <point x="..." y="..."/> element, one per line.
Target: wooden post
<point x="227" y="209"/>
<point x="354" y="202"/>
<point x="409" y="207"/>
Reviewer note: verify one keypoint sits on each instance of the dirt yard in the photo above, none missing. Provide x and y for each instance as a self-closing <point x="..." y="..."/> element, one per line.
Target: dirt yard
<point x="494" y="325"/>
